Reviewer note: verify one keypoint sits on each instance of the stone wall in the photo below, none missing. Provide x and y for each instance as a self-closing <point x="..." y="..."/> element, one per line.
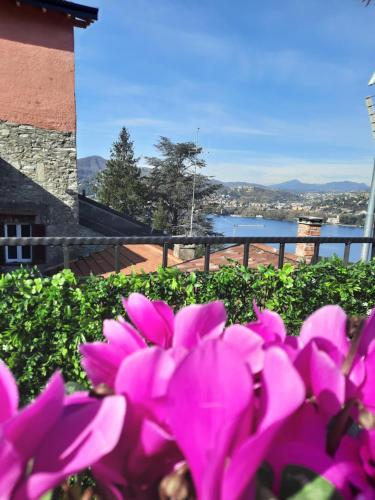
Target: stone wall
<point x="38" y="179"/>
<point x="47" y="160"/>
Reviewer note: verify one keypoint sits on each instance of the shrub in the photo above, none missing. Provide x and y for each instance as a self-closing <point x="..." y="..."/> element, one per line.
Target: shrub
<point x="44" y="319"/>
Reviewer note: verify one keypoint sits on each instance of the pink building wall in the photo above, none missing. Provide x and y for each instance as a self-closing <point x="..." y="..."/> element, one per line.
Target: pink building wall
<point x="36" y="68"/>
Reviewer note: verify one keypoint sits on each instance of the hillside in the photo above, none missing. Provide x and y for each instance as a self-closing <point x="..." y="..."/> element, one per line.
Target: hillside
<point x="330" y="187"/>
<point x="239" y="184"/>
<point x="89" y="166"/>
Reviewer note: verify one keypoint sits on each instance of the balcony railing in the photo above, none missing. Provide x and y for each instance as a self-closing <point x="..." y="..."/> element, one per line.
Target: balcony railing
<point x="207" y="241"/>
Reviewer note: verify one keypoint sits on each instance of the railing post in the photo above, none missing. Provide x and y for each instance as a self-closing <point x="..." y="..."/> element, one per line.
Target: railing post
<point x="117" y="258"/>
<point x="281" y="255"/>
<point x="347" y="253"/>
<point x="206" y="258"/>
<point x="165" y="255"/>
<point x="373" y="250"/>
<point x="66" y="257"/>
<point x="246" y="248"/>
<point x="315" y="258"/>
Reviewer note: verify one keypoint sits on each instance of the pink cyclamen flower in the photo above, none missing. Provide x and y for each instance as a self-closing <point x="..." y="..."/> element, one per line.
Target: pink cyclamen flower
<point x="53" y="437"/>
<point x="223" y="428"/>
<point x="155" y="323"/>
<point x="146" y="450"/>
<point x="225" y="400"/>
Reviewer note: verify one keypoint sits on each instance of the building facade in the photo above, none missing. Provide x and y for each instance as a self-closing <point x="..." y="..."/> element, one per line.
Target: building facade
<point x="38" y="167"/>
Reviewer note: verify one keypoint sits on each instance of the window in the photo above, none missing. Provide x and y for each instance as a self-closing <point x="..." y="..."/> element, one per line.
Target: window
<point x="18" y="254"/>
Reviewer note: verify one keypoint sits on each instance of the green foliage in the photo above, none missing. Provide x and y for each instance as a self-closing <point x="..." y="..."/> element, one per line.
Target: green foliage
<point x="120" y="185"/>
<point x="160" y="216"/>
<point x="170" y="187"/>
<point x="44" y="320"/>
<point x="300" y="483"/>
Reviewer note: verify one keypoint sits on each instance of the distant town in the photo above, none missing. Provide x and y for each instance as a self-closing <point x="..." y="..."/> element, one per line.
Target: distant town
<point x="341" y="203"/>
<point x="251" y="201"/>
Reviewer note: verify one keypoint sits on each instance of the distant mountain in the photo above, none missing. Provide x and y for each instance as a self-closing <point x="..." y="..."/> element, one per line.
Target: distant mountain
<point x="337" y="187"/>
<point x="90" y="166"/>
<point x="239" y="184"/>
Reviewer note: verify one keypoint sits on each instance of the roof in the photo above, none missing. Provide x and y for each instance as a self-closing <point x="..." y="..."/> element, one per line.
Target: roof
<point x="148" y="258"/>
<point x="81" y="15"/>
<point x="133" y="258"/>
<point x="259" y="254"/>
<point x="109" y="222"/>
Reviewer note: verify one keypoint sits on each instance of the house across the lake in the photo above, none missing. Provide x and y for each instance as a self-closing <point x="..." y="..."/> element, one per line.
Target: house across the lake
<point x="38" y="161"/>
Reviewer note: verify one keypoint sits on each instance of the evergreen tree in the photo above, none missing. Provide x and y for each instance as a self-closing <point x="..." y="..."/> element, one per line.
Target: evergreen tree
<point x="159" y="217"/>
<point x="170" y="187"/>
<point x="120" y="185"/>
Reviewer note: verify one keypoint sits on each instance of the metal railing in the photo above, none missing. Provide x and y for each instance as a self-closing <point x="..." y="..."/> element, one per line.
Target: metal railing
<point x="207" y="241"/>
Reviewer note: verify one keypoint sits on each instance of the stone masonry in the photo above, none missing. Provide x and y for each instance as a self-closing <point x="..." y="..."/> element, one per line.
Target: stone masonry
<point x="307" y="226"/>
<point x="47" y="160"/>
<point x="38" y="179"/>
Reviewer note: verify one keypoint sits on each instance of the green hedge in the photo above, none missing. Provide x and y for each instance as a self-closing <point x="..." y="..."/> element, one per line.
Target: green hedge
<point x="43" y="320"/>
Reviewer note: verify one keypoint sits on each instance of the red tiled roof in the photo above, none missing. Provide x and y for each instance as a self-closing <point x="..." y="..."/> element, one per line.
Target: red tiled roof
<point x="148" y="258"/>
<point x="259" y="254"/>
<point x="133" y="258"/>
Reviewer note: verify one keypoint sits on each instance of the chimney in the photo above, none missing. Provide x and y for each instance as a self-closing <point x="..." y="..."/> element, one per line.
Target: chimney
<point x="307" y="226"/>
<point x="184" y="252"/>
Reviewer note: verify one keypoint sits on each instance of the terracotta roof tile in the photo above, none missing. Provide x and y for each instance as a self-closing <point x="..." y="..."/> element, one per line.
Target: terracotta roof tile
<point x="259" y="254"/>
<point x="133" y="258"/>
<point x="148" y="258"/>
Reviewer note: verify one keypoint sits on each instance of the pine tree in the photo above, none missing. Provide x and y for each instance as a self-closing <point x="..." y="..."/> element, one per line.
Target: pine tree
<point x="170" y="187"/>
<point x="120" y="185"/>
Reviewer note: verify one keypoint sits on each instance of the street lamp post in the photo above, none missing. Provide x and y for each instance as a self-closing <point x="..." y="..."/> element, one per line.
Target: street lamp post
<point x="369" y="223"/>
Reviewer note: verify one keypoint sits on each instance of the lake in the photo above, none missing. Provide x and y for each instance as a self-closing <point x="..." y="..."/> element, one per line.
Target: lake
<point x="230" y="225"/>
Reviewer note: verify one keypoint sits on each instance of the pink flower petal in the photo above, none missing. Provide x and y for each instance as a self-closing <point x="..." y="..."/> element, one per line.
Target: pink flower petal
<point x="28" y="428"/>
<point x="153" y="321"/>
<point x="123" y="335"/>
<point x="290" y="394"/>
<point x="12" y="465"/>
<point x="276" y="407"/>
<point x="367" y="334"/>
<point x="368" y="388"/>
<point x="269" y="325"/>
<point x="328" y="323"/>
<point x="194" y="322"/>
<point x="166" y="313"/>
<point x="327" y="381"/>
<point x="208" y="394"/>
<point x="145" y="375"/>
<point x="322" y="376"/>
<point x="248" y="344"/>
<point x="143" y="378"/>
<point x="154" y="454"/>
<point x="101" y="362"/>
<point x="8" y="393"/>
<point x="83" y="434"/>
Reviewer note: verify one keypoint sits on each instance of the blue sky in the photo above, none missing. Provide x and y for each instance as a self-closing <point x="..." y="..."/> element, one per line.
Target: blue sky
<point x="276" y="87"/>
